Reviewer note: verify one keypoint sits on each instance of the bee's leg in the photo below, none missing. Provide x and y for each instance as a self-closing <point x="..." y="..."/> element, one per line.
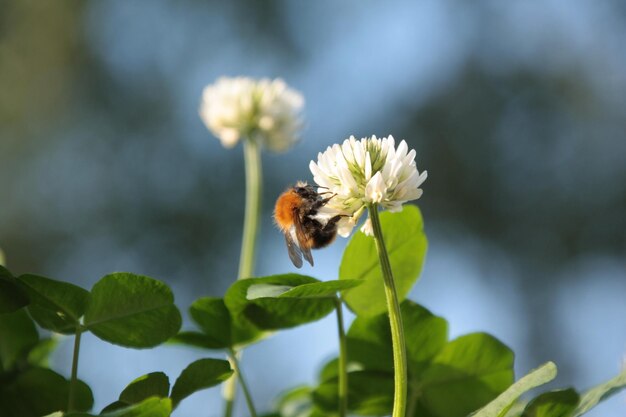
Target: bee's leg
<point x="322" y="236"/>
<point x="331" y="226"/>
<point x="332" y="222"/>
<point x="327" y="199"/>
<point x="310" y="225"/>
<point x="322" y="202"/>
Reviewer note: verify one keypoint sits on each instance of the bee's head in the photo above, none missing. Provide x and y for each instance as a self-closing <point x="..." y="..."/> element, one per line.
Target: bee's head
<point x="305" y="190"/>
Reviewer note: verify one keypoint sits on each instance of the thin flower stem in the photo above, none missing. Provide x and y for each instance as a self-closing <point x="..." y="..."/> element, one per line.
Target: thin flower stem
<point x="414" y="394"/>
<point x="252" y="158"/>
<point x="71" y="401"/>
<point x="252" y="162"/>
<point x="395" y="319"/>
<point x="228" y="393"/>
<point x="343" y="356"/>
<point x="244" y="386"/>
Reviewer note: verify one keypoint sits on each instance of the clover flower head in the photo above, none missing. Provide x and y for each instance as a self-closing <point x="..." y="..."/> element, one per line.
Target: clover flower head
<point x="363" y="172"/>
<point x="264" y="110"/>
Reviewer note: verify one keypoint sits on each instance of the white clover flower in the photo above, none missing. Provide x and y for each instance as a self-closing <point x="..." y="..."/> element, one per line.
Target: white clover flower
<point x="263" y="110"/>
<point x="361" y="172"/>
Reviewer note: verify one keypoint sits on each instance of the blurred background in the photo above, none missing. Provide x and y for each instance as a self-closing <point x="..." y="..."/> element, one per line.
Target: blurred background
<point x="516" y="109"/>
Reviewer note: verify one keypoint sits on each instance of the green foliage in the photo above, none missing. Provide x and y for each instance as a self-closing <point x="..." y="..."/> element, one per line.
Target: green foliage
<point x="55" y="305"/>
<point x="370" y="393"/>
<point x="447" y="379"/>
<point x="369" y="338"/>
<point x="26" y="387"/>
<point x="559" y="403"/>
<point x="37" y="392"/>
<point x="115" y="405"/>
<point x="324" y="289"/>
<point x="471" y="375"/>
<point x="592" y="397"/>
<point x="150" y="407"/>
<point x="271" y="313"/>
<point x="155" y="384"/>
<point x="194" y="339"/>
<point x="18" y="336"/>
<point x="39" y="355"/>
<point x="132" y="310"/>
<point x="123" y="308"/>
<point x="219" y="330"/>
<point x="126" y="309"/>
<point x="295" y="402"/>
<point x="201" y="374"/>
<point x="213" y="318"/>
<point x="468" y="373"/>
<point x="498" y="407"/>
<point x="406" y="244"/>
<point x="12" y="297"/>
<point x="267" y="290"/>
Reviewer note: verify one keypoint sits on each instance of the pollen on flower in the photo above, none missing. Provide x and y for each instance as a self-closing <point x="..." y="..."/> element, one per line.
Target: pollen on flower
<point x="366" y="171"/>
<point x="263" y="110"/>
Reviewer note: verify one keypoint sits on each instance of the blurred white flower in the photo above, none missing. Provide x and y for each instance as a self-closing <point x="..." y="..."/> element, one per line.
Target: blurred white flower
<point x="360" y="172"/>
<point x="263" y="110"/>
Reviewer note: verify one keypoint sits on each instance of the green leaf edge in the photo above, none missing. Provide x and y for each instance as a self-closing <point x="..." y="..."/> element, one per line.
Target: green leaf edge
<point x="177" y="396"/>
<point x="85" y="294"/>
<point x="539" y="376"/>
<point x="590" y="398"/>
<point x="259" y="291"/>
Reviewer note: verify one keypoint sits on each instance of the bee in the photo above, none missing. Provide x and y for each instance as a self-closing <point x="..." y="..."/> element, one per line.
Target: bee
<point x="293" y="215"/>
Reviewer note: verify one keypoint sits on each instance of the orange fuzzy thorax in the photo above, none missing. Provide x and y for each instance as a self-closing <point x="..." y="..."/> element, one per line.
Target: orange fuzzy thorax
<point x="285" y="209"/>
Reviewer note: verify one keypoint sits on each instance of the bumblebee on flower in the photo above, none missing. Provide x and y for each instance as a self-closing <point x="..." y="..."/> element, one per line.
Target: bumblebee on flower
<point x="350" y="177"/>
<point x="367" y="171"/>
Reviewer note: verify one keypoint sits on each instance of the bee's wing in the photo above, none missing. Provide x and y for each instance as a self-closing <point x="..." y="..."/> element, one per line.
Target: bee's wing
<point x="294" y="251"/>
<point x="306" y="252"/>
<point x="302" y="240"/>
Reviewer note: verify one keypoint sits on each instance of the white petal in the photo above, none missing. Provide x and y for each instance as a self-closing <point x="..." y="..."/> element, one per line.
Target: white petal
<point x="344" y="228"/>
<point x="402" y="150"/>
<point x="413" y="194"/>
<point x="394" y="206"/>
<point x="375" y="189"/>
<point x="422" y="178"/>
<point x="410" y="182"/>
<point x="229" y="137"/>
<point x="367" y="227"/>
<point x="368" y="166"/>
<point x="409" y="160"/>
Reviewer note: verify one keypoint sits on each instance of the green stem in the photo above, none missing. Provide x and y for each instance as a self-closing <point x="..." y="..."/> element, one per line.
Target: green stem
<point x="252" y="162"/>
<point x="74" y="378"/>
<point x="414" y="394"/>
<point x="395" y="319"/>
<point x="244" y="387"/>
<point x="230" y="389"/>
<point x="343" y="356"/>
<point x="252" y="157"/>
